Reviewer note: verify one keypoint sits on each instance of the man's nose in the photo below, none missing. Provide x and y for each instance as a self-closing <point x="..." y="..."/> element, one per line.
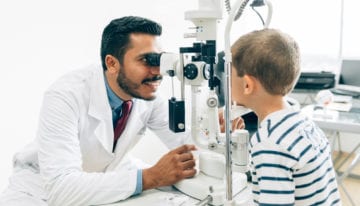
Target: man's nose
<point x="155" y="70"/>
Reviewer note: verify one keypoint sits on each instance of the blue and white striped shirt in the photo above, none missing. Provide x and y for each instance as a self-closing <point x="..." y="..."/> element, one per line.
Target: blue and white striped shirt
<point x="291" y="162"/>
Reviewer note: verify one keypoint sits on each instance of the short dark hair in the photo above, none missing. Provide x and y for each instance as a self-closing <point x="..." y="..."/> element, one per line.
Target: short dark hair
<point x="115" y="38"/>
<point x="269" y="55"/>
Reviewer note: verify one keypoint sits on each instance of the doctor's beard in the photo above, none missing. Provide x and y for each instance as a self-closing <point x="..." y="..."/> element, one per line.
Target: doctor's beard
<point x="131" y="88"/>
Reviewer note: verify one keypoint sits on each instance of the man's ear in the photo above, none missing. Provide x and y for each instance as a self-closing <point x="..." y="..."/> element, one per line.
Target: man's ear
<point x="249" y="84"/>
<point x="112" y="64"/>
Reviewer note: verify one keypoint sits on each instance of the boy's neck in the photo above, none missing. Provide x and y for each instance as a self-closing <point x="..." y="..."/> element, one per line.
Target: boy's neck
<point x="269" y="104"/>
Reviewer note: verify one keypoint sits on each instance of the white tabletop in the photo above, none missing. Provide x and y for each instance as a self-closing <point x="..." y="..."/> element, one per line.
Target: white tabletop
<point x="169" y="196"/>
<point x="342" y="121"/>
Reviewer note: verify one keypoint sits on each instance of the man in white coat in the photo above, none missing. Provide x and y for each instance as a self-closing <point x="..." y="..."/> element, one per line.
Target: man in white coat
<point x="74" y="159"/>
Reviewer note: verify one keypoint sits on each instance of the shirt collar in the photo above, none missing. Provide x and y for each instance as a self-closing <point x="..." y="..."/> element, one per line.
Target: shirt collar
<point x="114" y="100"/>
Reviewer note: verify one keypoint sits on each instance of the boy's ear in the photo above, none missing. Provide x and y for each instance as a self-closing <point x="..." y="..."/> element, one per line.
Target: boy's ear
<point x="111" y="64"/>
<point x="249" y="84"/>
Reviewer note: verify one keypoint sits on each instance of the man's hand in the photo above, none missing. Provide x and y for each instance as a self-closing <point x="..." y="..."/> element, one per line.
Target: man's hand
<point x="171" y="168"/>
<point x="237" y="123"/>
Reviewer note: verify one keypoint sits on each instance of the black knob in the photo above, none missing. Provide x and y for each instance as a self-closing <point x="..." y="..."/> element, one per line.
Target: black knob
<point x="190" y="71"/>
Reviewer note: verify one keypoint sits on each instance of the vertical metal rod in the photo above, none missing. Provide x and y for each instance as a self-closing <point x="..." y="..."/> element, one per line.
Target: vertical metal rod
<point x="172" y="87"/>
<point x="227" y="67"/>
<point x="239" y="4"/>
<point x="341" y="29"/>
<point x="181" y="61"/>
<point x="228" y="168"/>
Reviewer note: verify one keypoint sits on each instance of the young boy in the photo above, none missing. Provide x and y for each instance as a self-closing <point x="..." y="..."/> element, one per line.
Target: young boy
<point x="290" y="156"/>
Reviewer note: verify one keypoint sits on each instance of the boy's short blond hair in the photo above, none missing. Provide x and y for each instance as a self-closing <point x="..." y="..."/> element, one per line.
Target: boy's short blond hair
<point x="270" y="56"/>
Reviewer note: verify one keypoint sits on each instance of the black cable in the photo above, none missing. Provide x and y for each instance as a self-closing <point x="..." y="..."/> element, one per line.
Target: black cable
<point x="262" y="20"/>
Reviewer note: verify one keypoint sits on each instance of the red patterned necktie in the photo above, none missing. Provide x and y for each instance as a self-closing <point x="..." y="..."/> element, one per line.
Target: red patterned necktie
<point x="125" y="112"/>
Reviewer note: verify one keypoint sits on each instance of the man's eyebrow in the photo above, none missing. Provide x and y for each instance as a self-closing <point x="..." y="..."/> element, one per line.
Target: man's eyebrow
<point x="140" y="56"/>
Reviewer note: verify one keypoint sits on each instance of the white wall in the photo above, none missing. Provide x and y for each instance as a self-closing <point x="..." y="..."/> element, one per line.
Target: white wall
<point x="41" y="40"/>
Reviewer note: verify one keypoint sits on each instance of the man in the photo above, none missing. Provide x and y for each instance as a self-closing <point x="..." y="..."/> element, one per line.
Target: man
<point x="76" y="159"/>
<point x="290" y="156"/>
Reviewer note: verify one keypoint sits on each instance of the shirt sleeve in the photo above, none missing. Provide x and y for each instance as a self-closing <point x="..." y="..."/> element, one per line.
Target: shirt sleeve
<point x="139" y="187"/>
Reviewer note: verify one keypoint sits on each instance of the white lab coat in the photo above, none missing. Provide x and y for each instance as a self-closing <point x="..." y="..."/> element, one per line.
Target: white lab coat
<point x="73" y="148"/>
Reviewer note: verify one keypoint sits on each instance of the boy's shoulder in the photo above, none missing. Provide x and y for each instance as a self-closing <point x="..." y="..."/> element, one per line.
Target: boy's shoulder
<point x="283" y="120"/>
<point x="284" y="128"/>
<point x="290" y="132"/>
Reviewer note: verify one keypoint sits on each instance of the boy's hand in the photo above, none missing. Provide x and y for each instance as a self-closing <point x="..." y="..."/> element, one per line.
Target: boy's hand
<point x="237" y="123"/>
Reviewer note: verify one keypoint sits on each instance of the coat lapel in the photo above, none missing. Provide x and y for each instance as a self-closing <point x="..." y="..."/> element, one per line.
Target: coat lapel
<point x="135" y="127"/>
<point x="100" y="110"/>
<point x="134" y="130"/>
